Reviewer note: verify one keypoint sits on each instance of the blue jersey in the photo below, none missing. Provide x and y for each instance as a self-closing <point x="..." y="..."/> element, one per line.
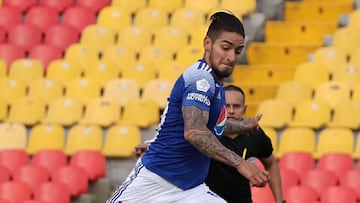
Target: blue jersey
<point x="170" y="155"/>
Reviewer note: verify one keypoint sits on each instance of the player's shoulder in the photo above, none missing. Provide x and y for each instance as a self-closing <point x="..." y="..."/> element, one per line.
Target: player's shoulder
<point x="199" y="72"/>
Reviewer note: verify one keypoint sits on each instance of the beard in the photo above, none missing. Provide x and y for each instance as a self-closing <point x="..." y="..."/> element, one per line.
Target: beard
<point x="221" y="74"/>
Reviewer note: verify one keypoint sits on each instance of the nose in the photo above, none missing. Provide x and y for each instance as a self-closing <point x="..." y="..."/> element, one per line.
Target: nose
<point x="231" y="56"/>
<point x="230" y="109"/>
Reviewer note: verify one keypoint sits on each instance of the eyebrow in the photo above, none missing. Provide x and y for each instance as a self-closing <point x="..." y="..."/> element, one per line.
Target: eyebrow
<point x="228" y="42"/>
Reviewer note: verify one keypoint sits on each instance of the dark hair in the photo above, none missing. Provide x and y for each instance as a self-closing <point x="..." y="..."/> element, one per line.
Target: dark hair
<point x="235" y="88"/>
<point x="223" y="21"/>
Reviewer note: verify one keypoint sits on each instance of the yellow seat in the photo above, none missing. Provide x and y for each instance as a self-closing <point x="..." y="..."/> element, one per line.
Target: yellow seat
<point x="356" y="92"/>
<point x="101" y="111"/>
<point x="12" y="136"/>
<point x="346" y="39"/>
<point x="346" y="114"/>
<point x="63" y="71"/>
<point x="151" y="18"/>
<point x="155" y="55"/>
<point x="158" y="90"/>
<point x="167" y="6"/>
<point x="354" y="19"/>
<point x="187" y="19"/>
<point x="46" y="89"/>
<point x="256" y="93"/>
<point x="82" y="89"/>
<point x="204" y="6"/>
<point x="26" y="70"/>
<point x="149" y="112"/>
<point x="64" y="111"/>
<point x="277" y="118"/>
<point x="83" y="137"/>
<point x="101" y="72"/>
<point x="82" y="55"/>
<point x="98" y="36"/>
<point x="356" y="154"/>
<point x="272" y="134"/>
<point x="354" y="58"/>
<point x="140" y="72"/>
<point x="311" y="113"/>
<point x="297" y="139"/>
<point x="332" y="57"/>
<point x="294" y="92"/>
<point x="3" y="110"/>
<point x="280" y="54"/>
<point x="333" y="92"/>
<point x="171" y="37"/>
<point x="46" y="136"/>
<point x="11" y="89"/>
<point x="27" y="110"/>
<point x="122" y="90"/>
<point x="132" y="6"/>
<point x="119" y="56"/>
<point x="188" y="55"/>
<point x="120" y="141"/>
<point x="240" y="8"/>
<point x="347" y="73"/>
<point x="197" y="36"/>
<point x="312" y="73"/>
<point x="171" y="70"/>
<point x="338" y="140"/>
<point x="134" y="37"/>
<point x="3" y="69"/>
<point x="114" y="17"/>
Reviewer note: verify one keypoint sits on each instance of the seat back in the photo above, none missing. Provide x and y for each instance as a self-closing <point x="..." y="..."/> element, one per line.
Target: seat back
<point x="83" y="137"/>
<point x="12" y="136"/>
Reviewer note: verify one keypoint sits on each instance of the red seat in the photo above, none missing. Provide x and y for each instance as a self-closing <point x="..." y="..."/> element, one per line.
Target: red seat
<point x="59" y="5"/>
<point x="25" y="35"/>
<point x="42" y="17"/>
<point x="11" y="52"/>
<point x="336" y="162"/>
<point x="23" y="5"/>
<point x="46" y="53"/>
<point x="95" y="5"/>
<point x="10" y="17"/>
<point x="14" y="158"/>
<point x="337" y="194"/>
<point x="61" y="36"/>
<point x="300" y="162"/>
<point x="73" y="177"/>
<point x="352" y="180"/>
<point x="34" y="201"/>
<point x="292" y="194"/>
<point x="78" y="17"/>
<point x="93" y="162"/>
<point x="319" y="179"/>
<point x="2" y="200"/>
<point x="15" y="191"/>
<point x="52" y="192"/>
<point x="289" y="177"/>
<point x="261" y="194"/>
<point x="5" y="174"/>
<point x="3" y="34"/>
<point x="50" y="159"/>
<point x="33" y="175"/>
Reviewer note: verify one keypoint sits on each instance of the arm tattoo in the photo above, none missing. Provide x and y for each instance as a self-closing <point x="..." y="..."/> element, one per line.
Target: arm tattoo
<point x="232" y="127"/>
<point x="196" y="132"/>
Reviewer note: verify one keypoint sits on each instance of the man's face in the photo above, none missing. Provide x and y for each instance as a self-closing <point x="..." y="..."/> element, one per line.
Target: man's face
<point x="235" y="105"/>
<point x="224" y="53"/>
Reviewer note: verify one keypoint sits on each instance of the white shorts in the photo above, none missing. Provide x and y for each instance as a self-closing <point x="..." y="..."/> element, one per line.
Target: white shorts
<point x="143" y="185"/>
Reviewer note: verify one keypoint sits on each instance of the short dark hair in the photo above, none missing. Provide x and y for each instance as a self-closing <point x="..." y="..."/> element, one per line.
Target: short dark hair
<point x="224" y="21"/>
<point x="235" y="88"/>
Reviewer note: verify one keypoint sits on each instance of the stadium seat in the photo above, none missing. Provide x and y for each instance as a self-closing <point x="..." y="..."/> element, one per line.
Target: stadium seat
<point x="42" y="17"/>
<point x="27" y="110"/>
<point x="354" y="16"/>
<point x="331" y="56"/>
<point x="5" y="174"/>
<point x="347" y="73"/>
<point x="119" y="56"/>
<point x="150" y="112"/>
<point x="102" y="72"/>
<point x="187" y="19"/>
<point x="73" y="177"/>
<point x="351" y="179"/>
<point x="171" y="70"/>
<point x="13" y="158"/>
<point x="312" y="73"/>
<point x="338" y="163"/>
<point x="15" y="191"/>
<point x="346" y="115"/>
<point x="333" y="92"/>
<point x="61" y="36"/>
<point x="168" y="6"/>
<point x="32" y="175"/>
<point x="82" y="89"/>
<point x="239" y="8"/>
<point x="63" y="71"/>
<point x="23" y="5"/>
<point x="10" y="16"/>
<point x="346" y="39"/>
<point x="299" y="91"/>
<point x="197" y="36"/>
<point x="319" y="179"/>
<point x="120" y="141"/>
<point x="354" y="58"/>
<point x="155" y="55"/>
<point x="101" y="111"/>
<point x="59" y="5"/>
<point x="203" y="6"/>
<point x="159" y="90"/>
<point x="46" y="53"/>
<point x="289" y="178"/>
<point x="275" y="118"/>
<point x="308" y="194"/>
<point x="11" y="90"/>
<point x="340" y="193"/>
<point x="141" y="72"/>
<point x="300" y="162"/>
<point x="134" y="37"/>
<point x="256" y="93"/>
<point x="311" y="113"/>
<point x="11" y="52"/>
<point x="93" y="163"/>
<point x="25" y="35"/>
<point x="82" y="55"/>
<point x="261" y="194"/>
<point x="114" y="17"/>
<point x="53" y="192"/>
<point x="3" y="69"/>
<point x="46" y="136"/>
<point x="12" y="136"/>
<point x="3" y="35"/>
<point x="132" y="6"/>
<point x="188" y="55"/>
<point x="340" y="140"/>
<point x="356" y="92"/>
<point x="26" y="70"/>
<point x="45" y="89"/>
<point x="3" y="110"/>
<point x="83" y="137"/>
<point x="49" y="159"/>
<point x="151" y="18"/>
<point x="122" y="90"/>
<point x="79" y="17"/>
<point x="171" y="37"/>
<point x="98" y="36"/>
<point x="297" y="139"/>
<point x="94" y="5"/>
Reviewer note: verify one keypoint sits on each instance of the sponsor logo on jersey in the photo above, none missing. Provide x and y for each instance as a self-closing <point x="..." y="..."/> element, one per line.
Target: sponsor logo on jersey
<point x="202" y="85"/>
<point x="198" y="97"/>
<point x="220" y="123"/>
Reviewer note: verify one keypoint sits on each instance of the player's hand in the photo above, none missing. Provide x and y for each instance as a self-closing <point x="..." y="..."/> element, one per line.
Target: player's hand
<point x="256" y="176"/>
<point x="251" y="124"/>
<point x="140" y="149"/>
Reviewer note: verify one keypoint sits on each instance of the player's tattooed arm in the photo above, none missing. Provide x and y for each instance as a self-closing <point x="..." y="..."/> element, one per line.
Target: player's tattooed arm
<point x="246" y="125"/>
<point x="196" y="132"/>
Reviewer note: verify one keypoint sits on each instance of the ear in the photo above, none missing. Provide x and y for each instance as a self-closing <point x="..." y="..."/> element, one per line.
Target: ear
<point x="207" y="44"/>
<point x="245" y="108"/>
